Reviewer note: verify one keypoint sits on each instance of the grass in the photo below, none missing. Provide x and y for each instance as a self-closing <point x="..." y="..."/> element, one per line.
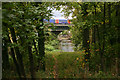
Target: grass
<point x="62" y="65"/>
<point x="67" y="65"/>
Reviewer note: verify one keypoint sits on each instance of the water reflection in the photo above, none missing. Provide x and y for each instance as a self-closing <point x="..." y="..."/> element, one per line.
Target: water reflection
<point x="66" y="46"/>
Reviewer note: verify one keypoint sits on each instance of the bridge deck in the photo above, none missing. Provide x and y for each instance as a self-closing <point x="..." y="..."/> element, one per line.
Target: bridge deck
<point x="62" y="25"/>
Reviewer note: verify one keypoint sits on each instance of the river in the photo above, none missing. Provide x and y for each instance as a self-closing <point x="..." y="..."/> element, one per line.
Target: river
<point x="66" y="46"/>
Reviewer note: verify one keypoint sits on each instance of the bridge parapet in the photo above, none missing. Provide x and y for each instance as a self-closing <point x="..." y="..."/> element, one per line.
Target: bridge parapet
<point x="62" y="25"/>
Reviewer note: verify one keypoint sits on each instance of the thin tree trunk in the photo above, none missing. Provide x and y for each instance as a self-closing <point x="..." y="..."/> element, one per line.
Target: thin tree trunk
<point x="41" y="40"/>
<point x="93" y="38"/>
<point x="41" y="48"/>
<point x="109" y="14"/>
<point x="94" y="32"/>
<point x="118" y="40"/>
<point x="15" y="61"/>
<point x="86" y="46"/>
<point x="5" y="56"/>
<point x="86" y="43"/>
<point x="31" y="60"/>
<point x="19" y="56"/>
<point x="98" y="36"/>
<point x="86" y="38"/>
<point x="103" y="46"/>
<point x="118" y="48"/>
<point x="35" y="47"/>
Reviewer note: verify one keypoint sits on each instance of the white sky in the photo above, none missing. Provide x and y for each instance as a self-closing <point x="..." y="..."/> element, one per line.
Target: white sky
<point x="58" y="15"/>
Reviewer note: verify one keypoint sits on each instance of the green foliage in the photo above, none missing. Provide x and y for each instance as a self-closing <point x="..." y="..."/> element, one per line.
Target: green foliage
<point x="52" y="44"/>
<point x="101" y="20"/>
<point x="103" y="75"/>
<point x="49" y="47"/>
<point x="65" y="32"/>
<point x="20" y="21"/>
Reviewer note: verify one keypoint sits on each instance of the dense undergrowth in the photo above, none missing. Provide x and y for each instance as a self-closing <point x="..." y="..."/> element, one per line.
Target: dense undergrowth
<point x="62" y="65"/>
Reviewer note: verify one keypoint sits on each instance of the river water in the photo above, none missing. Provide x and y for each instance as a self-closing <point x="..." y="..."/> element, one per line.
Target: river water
<point x="66" y="46"/>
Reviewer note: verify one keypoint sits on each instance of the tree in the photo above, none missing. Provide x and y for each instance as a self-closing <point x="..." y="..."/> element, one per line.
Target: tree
<point x="98" y="20"/>
<point x="20" y="21"/>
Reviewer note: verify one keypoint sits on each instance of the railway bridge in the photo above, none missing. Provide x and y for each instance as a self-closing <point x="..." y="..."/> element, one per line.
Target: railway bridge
<point x="59" y="25"/>
<point x="59" y="28"/>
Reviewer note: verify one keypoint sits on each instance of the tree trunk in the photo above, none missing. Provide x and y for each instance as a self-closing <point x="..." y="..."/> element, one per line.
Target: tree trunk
<point x="86" y="47"/>
<point x="103" y="44"/>
<point x="86" y="37"/>
<point x="98" y="36"/>
<point x="86" y="43"/>
<point x="41" y="40"/>
<point x="41" y="47"/>
<point x="35" y="47"/>
<point x="18" y="54"/>
<point x="94" y="32"/>
<point x="5" y="56"/>
<point x="109" y="14"/>
<point x="15" y="61"/>
<point x="31" y="60"/>
<point x="118" y="40"/>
